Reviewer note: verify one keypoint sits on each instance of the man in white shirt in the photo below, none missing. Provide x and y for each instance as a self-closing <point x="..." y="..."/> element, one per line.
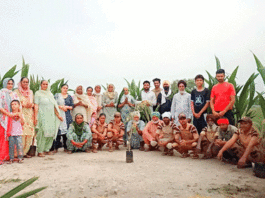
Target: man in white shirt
<point x="181" y="103"/>
<point x="148" y="96"/>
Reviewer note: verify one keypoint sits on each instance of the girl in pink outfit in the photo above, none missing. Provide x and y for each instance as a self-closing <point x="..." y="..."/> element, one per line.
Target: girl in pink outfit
<point x="16" y="131"/>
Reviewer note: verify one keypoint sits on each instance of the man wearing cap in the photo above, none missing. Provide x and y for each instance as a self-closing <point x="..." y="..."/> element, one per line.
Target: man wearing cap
<point x="186" y="137"/>
<point x="135" y="128"/>
<point x="223" y="98"/>
<point x="115" y="132"/>
<point x="149" y="133"/>
<point x="207" y="138"/>
<point x="164" y="98"/>
<point x="181" y="103"/>
<point x="243" y="144"/>
<point x="166" y="131"/>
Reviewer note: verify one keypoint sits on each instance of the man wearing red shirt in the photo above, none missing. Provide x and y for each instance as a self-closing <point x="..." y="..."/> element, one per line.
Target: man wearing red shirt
<point x="223" y="98"/>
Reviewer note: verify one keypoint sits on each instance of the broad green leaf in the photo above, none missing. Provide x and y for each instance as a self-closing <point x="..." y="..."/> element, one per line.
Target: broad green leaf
<point x="260" y="68"/>
<point x="218" y="64"/>
<point x="30" y="193"/>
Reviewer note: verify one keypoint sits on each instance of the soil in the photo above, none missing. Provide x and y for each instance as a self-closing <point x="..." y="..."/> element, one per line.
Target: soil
<point x="106" y="174"/>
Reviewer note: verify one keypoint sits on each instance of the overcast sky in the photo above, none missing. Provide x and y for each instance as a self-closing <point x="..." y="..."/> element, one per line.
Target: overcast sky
<point x="98" y="42"/>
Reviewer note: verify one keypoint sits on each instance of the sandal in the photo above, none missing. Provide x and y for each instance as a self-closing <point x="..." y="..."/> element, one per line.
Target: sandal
<point x="27" y="156"/>
<point x="185" y="155"/>
<point x="49" y="153"/>
<point x="41" y="155"/>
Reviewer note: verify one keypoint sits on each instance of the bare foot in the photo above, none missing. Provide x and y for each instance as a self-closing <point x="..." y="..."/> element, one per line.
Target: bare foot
<point x="49" y="153"/>
<point x="69" y="152"/>
<point x="41" y="155"/>
<point x="20" y="161"/>
<point x="87" y="151"/>
<point x="27" y="156"/>
<point x="94" y="150"/>
<point x="55" y="151"/>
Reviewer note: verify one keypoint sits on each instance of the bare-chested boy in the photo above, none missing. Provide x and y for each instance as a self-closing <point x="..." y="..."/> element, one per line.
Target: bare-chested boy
<point x="243" y="144"/>
<point x="186" y="137"/>
<point x="99" y="133"/>
<point x="166" y="131"/>
<point x="115" y="132"/>
<point x="149" y="133"/>
<point x="207" y="137"/>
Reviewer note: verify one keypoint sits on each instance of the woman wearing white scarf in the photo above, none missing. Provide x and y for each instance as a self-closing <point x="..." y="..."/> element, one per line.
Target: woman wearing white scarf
<point x="81" y="103"/>
<point x="164" y="99"/>
<point x="110" y="101"/>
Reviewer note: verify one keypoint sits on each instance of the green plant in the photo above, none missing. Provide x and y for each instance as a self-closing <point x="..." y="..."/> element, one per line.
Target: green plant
<point x="24" y="69"/>
<point x="19" y="188"/>
<point x="34" y="83"/>
<point x="135" y="90"/>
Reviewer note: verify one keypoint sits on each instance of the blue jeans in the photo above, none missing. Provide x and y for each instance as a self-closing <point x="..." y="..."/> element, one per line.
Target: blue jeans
<point x="15" y="141"/>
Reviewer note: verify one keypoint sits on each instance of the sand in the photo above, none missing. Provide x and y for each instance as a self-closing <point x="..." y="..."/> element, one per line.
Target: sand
<point x="106" y="174"/>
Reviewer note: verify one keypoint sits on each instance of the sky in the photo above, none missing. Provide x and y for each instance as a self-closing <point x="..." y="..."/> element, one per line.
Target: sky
<point x="94" y="42"/>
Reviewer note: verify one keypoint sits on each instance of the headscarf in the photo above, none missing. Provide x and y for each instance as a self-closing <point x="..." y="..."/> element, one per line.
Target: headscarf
<point x="135" y="113"/>
<point x="6" y="100"/>
<point x="95" y="93"/>
<point x="223" y="121"/>
<point x="78" y="128"/>
<point x="164" y="95"/>
<point x="156" y="114"/>
<point x="111" y="95"/>
<point x="26" y="93"/>
<point x="166" y="115"/>
<point x="83" y="97"/>
<point x="48" y="94"/>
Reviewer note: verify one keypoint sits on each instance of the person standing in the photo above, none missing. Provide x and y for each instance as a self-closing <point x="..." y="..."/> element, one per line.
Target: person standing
<point x="148" y="96"/>
<point x="98" y="97"/>
<point x="26" y="99"/>
<point x="65" y="104"/>
<point x="181" y="103"/>
<point x="110" y="102"/>
<point x="81" y="103"/>
<point x="164" y="99"/>
<point x="127" y="102"/>
<point x="223" y="98"/>
<point x="47" y="119"/>
<point x="200" y="101"/>
<point x="6" y="96"/>
<point x="156" y="90"/>
<point x="92" y="113"/>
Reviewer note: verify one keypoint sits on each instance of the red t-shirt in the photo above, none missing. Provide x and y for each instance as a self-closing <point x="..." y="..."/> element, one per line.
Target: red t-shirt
<point x="221" y="94"/>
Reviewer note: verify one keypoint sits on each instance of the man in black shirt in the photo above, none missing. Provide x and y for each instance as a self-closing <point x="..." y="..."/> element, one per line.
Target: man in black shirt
<point x="164" y="98"/>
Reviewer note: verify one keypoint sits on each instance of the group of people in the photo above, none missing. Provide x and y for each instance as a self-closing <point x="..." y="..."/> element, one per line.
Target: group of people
<point x="89" y="120"/>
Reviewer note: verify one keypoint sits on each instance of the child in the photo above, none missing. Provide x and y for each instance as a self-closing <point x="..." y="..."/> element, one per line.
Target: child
<point x="15" y="134"/>
<point x="200" y="101"/>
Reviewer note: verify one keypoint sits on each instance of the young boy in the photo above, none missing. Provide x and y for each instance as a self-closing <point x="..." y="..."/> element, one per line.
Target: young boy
<point x="15" y="135"/>
<point x="200" y="101"/>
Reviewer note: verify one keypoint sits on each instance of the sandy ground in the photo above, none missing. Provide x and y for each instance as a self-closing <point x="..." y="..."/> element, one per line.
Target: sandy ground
<point x="107" y="174"/>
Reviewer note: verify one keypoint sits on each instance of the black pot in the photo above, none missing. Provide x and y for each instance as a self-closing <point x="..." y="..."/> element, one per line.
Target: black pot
<point x="259" y="169"/>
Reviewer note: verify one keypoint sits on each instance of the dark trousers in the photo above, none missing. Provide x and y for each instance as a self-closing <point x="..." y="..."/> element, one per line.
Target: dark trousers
<point x="199" y="123"/>
<point x="57" y="143"/>
<point x="230" y="116"/>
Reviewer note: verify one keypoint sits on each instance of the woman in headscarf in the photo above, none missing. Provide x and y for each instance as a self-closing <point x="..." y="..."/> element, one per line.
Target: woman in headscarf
<point x="79" y="136"/>
<point x="92" y="113"/>
<point x="65" y="104"/>
<point x="135" y="129"/>
<point x="6" y="97"/>
<point x="110" y="101"/>
<point x="81" y="103"/>
<point x="126" y="104"/>
<point x="26" y="99"/>
<point x="98" y="97"/>
<point x="47" y="119"/>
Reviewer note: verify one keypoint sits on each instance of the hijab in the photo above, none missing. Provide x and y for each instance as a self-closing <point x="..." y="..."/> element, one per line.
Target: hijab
<point x="78" y="128"/>
<point x="82" y="96"/>
<point x="111" y="95"/>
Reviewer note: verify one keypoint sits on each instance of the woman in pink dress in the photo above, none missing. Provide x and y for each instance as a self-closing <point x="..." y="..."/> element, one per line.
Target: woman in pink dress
<point x="6" y="97"/>
<point x="92" y="113"/>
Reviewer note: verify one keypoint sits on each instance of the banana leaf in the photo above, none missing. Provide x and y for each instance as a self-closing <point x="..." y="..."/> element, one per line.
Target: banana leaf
<point x="260" y="67"/>
<point x="25" y="68"/>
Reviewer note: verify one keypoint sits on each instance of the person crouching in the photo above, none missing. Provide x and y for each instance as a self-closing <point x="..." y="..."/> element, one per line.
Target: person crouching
<point x="149" y="133"/>
<point x="166" y="131"/>
<point x="79" y="136"/>
<point x="186" y="137"/>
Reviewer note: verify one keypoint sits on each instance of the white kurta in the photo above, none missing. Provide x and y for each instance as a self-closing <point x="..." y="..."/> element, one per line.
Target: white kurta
<point x="181" y="104"/>
<point x="149" y="96"/>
